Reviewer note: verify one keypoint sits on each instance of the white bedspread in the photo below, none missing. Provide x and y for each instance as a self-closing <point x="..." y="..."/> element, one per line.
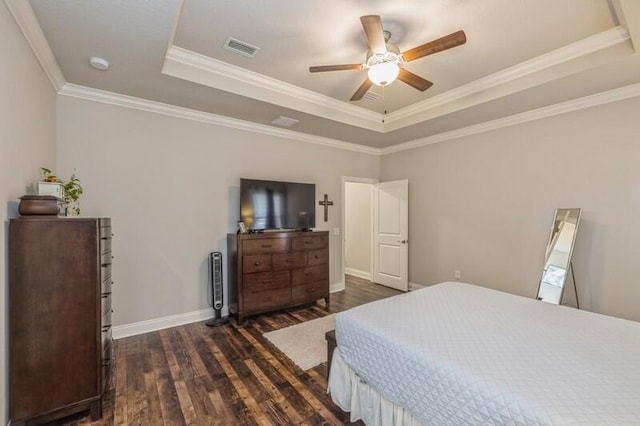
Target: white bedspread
<point x="458" y="354"/>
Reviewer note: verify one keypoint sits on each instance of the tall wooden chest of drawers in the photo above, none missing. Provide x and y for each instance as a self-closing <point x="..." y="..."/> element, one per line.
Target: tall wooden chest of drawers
<point x="59" y="316"/>
<point x="276" y="270"/>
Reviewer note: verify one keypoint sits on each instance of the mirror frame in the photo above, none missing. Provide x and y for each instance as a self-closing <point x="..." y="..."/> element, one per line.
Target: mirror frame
<point x="569" y="266"/>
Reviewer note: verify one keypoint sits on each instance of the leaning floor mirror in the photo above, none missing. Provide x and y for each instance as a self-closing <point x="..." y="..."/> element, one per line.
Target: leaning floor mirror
<point x="557" y="262"/>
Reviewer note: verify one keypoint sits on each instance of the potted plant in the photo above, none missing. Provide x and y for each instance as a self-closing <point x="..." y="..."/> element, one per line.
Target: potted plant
<point x="71" y="190"/>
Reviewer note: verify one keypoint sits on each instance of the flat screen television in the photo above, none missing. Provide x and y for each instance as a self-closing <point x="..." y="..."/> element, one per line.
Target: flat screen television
<point x="266" y="204"/>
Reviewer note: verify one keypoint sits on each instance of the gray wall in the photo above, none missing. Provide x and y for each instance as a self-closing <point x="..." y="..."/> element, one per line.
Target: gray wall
<point x="27" y="142"/>
<point x="483" y="204"/>
<point x="172" y="188"/>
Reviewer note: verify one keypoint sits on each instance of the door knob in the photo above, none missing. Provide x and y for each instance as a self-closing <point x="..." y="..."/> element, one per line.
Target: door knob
<point x="403" y="241"/>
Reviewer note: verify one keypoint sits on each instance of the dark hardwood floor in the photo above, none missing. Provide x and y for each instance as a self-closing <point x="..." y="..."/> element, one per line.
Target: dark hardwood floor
<point x="227" y="375"/>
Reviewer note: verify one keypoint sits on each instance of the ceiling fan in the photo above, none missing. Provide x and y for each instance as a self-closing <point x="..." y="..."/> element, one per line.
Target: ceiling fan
<point x="384" y="61"/>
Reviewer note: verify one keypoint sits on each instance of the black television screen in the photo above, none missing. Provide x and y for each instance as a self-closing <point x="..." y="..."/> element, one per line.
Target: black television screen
<point x="268" y="204"/>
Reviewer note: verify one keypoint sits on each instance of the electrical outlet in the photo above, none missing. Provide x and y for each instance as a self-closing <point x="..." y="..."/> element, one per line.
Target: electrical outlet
<point x="456" y="274"/>
<point x="336" y="231"/>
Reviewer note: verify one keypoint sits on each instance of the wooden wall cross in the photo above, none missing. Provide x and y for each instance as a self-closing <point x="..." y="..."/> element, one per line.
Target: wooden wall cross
<point x="326" y="203"/>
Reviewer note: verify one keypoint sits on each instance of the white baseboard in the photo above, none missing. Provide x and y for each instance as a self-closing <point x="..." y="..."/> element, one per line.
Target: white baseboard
<point x="358" y="273"/>
<point x="161" y="323"/>
<point x="415" y="286"/>
<point x="335" y="287"/>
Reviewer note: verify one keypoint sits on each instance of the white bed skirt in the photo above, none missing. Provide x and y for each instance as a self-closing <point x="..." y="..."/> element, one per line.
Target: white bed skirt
<point x="353" y="395"/>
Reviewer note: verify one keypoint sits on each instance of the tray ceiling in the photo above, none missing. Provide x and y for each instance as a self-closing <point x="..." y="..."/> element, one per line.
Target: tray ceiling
<point x="519" y="55"/>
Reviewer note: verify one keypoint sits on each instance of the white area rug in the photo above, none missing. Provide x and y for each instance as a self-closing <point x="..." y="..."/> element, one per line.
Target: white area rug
<point x="304" y="343"/>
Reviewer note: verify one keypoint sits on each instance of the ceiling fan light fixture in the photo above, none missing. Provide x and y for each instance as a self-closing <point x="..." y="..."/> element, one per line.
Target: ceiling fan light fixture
<point x="383" y="73"/>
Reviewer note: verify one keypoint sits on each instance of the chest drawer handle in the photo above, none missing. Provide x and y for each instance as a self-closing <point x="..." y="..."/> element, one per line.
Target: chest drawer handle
<point x="308" y="242"/>
<point x="266" y="246"/>
<point x="316" y="256"/>
<point x="290" y="260"/>
<point x="267" y="281"/>
<point x="256" y="263"/>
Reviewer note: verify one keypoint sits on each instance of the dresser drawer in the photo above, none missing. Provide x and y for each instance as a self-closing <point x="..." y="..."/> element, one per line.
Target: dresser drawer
<point x="255" y="283"/>
<point x="256" y="263"/>
<point x="311" y="242"/>
<point x="267" y="299"/>
<point x="106" y="302"/>
<point x="311" y="291"/>
<point x="289" y="260"/>
<point x="105" y="287"/>
<point x="105" y="245"/>
<point x="264" y="245"/>
<point x="106" y="259"/>
<point x="309" y="275"/>
<point x="107" y="333"/>
<point x="105" y="232"/>
<point x="318" y="257"/>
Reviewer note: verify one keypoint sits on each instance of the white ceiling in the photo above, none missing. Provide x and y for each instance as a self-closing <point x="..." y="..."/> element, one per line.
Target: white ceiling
<point x="520" y="55"/>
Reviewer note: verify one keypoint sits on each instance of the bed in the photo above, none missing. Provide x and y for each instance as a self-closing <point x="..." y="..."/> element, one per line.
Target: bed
<point x="456" y="353"/>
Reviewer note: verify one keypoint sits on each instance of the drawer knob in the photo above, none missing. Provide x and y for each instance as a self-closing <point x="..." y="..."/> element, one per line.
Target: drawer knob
<point x="316" y="256"/>
<point x="266" y="246"/>
<point x="307" y="242"/>
<point x="256" y="263"/>
<point x="267" y="281"/>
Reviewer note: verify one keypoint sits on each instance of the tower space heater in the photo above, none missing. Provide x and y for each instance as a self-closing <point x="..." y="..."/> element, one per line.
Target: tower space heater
<point x="217" y="290"/>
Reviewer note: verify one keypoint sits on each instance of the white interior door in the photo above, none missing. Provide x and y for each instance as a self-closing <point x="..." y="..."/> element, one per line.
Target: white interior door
<point x="391" y="234"/>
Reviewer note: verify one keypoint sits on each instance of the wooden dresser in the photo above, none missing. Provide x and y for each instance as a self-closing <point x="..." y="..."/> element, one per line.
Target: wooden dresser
<point x="60" y="348"/>
<point x="276" y="270"/>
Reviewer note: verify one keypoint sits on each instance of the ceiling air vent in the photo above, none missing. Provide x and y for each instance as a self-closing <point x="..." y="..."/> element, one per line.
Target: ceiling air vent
<point x="372" y="96"/>
<point x="240" y="47"/>
<point x="285" y="121"/>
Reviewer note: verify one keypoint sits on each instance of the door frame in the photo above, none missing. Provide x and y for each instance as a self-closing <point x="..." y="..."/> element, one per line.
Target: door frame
<point x="345" y="179"/>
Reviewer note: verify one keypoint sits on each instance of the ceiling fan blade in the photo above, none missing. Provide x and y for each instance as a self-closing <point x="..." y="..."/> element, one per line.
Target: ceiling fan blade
<point x="364" y="87"/>
<point x="324" y="68"/>
<point x="372" y="26"/>
<point x="414" y="80"/>
<point x="435" y="46"/>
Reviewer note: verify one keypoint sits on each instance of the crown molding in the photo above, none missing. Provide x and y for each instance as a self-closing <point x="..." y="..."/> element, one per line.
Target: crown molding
<point x="191" y="66"/>
<point x="525" y="75"/>
<point x="188" y="65"/>
<point x="628" y="14"/>
<point x="30" y="27"/>
<point x="602" y="98"/>
<point x="125" y="101"/>
<point x="96" y="95"/>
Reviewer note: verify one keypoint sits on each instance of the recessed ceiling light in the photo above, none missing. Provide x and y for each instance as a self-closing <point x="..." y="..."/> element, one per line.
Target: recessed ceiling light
<point x="99" y="63"/>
